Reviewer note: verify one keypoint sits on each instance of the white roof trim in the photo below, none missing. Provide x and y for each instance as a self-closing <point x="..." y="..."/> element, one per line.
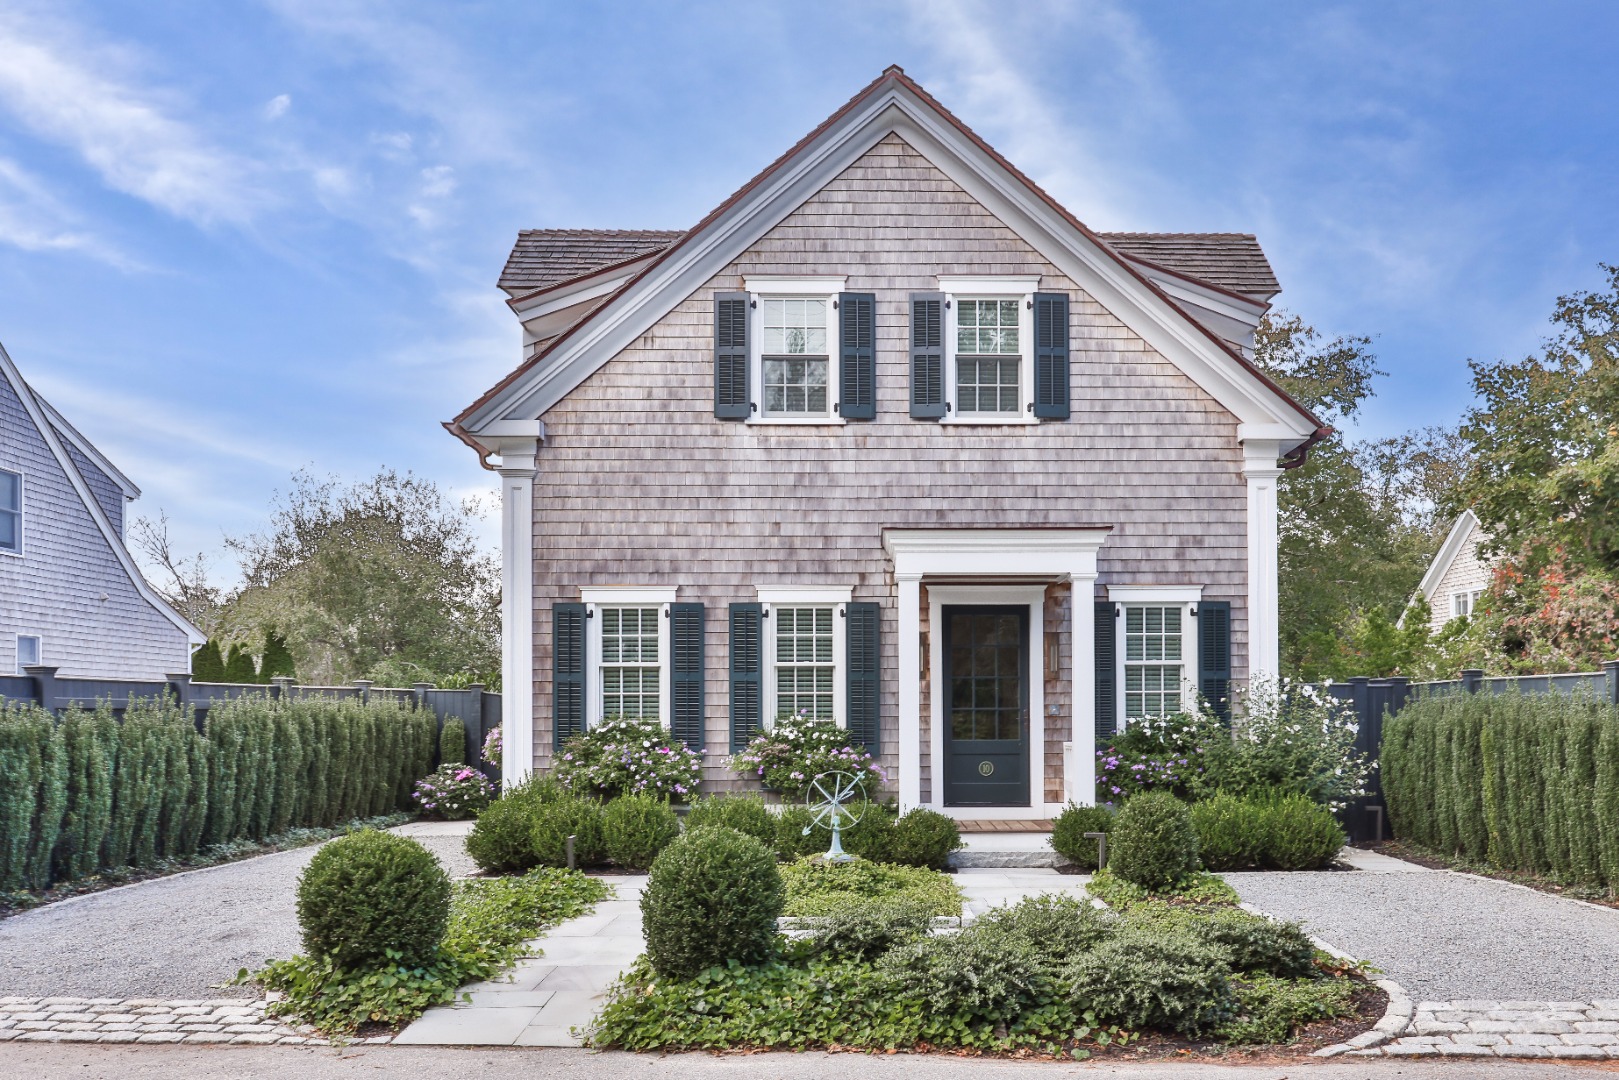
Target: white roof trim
<point x="1452" y="547"/>
<point x="87" y="448"/>
<point x="47" y="431"/>
<point x="1148" y="312"/>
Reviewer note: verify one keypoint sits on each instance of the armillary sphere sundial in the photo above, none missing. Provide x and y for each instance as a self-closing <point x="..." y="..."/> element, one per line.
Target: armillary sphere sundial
<point x="836" y="799"/>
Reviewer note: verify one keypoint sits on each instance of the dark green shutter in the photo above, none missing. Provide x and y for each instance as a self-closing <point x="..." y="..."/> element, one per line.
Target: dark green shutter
<point x="865" y="659"/>
<point x="686" y="674"/>
<point x="567" y="671"/>
<point x="1214" y="655"/>
<point x="1107" y="673"/>
<point x="1051" y="356"/>
<point x="857" y="361"/>
<point x="927" y="356"/>
<point x="747" y="667"/>
<point x="731" y="398"/>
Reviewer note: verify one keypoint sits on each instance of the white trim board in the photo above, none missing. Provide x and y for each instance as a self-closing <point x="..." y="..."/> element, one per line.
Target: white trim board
<point x="1448" y="551"/>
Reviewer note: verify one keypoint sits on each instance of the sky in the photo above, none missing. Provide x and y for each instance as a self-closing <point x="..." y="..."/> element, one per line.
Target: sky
<point x="240" y="239"/>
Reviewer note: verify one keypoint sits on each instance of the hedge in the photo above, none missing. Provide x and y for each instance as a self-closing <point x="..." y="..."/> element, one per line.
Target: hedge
<point x="84" y="793"/>
<point x="1526" y="783"/>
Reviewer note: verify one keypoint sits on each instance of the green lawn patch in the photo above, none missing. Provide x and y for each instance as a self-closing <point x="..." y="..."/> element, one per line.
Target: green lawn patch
<point x="816" y="888"/>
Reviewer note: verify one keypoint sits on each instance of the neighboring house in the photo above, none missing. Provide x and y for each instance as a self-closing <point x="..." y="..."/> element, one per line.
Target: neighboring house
<point x="888" y="437"/>
<point x="1457" y="577"/>
<point x="70" y="595"/>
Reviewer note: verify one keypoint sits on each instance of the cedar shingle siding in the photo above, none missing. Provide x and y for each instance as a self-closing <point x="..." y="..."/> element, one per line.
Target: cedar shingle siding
<point x="639" y="483"/>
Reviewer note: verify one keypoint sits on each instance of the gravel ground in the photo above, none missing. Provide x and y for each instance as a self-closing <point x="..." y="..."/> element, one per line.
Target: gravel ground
<point x="1450" y="937"/>
<point x="174" y="937"/>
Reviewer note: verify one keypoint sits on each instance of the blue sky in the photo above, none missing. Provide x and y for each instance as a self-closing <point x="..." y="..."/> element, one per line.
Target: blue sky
<point x="238" y="239"/>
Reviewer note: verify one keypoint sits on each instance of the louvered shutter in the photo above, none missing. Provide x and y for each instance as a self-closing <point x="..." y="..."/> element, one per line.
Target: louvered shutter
<point x="857" y="360"/>
<point x="927" y="356"/>
<point x="732" y="400"/>
<point x="1051" y="356"/>
<point x="1107" y="672"/>
<point x="864" y="662"/>
<point x="747" y="668"/>
<point x="1214" y="655"/>
<point x="567" y="672"/>
<point x="686" y="674"/>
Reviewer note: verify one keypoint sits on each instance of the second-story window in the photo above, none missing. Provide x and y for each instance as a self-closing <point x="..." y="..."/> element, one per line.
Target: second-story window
<point x="989" y="356"/>
<point x="796" y="363"/>
<point x="10" y="512"/>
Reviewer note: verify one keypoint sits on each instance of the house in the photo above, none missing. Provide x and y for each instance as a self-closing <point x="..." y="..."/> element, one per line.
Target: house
<point x="888" y="437"/>
<point x="71" y="597"/>
<point x="1458" y="576"/>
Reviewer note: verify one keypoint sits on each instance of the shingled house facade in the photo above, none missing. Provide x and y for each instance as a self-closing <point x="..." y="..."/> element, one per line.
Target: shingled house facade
<point x="890" y="438"/>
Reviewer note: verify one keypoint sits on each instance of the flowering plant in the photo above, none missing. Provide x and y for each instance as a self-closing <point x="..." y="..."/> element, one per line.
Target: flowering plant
<point x="1292" y="737"/>
<point x="493" y="744"/>
<point x="622" y="756"/>
<point x="454" y="792"/>
<point x="798" y="749"/>
<point x="1163" y="753"/>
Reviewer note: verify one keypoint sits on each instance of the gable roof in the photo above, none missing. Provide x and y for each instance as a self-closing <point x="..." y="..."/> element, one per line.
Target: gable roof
<point x="1233" y="261"/>
<point x="87" y="448"/>
<point x="1455" y="542"/>
<point x="893" y="103"/>
<point x="41" y="414"/>
<point x="544" y="257"/>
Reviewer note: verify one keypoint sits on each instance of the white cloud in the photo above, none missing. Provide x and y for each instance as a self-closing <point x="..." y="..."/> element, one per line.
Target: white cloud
<point x="438" y="181"/>
<point x="277" y="107"/>
<point x="68" y="90"/>
<point x="32" y="219"/>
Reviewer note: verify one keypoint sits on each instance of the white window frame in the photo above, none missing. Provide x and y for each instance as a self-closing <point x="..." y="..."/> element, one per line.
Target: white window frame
<point x="1182" y="596"/>
<point x="1021" y="289"/>
<point x="598" y="598"/>
<point x="780" y="288"/>
<point x="22" y="494"/>
<point x="39" y="650"/>
<point x="1464" y="596"/>
<point x="812" y="596"/>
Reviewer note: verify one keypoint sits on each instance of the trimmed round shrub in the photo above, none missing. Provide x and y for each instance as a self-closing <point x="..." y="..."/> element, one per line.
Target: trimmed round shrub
<point x="369" y="893"/>
<point x="1152" y="842"/>
<point x="744" y="813"/>
<point x="636" y="828"/>
<point x="923" y="838"/>
<point x="1068" y="833"/>
<point x="502" y="839"/>
<point x="1230" y="834"/>
<point x="713" y="895"/>
<point x="1280" y="831"/>
<point x="1300" y="834"/>
<point x="1147" y="978"/>
<point x="570" y="815"/>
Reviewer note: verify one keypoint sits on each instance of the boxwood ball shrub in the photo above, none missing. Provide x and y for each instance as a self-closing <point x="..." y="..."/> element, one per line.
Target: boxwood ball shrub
<point x="744" y="813"/>
<point x="1068" y="837"/>
<point x="502" y="839"/>
<point x="1152" y="842"/>
<point x="570" y="815"/>
<point x="713" y="895"/>
<point x="369" y="893"/>
<point x="923" y="838"/>
<point x="1299" y="834"/>
<point x="1276" y="831"/>
<point x="636" y="828"/>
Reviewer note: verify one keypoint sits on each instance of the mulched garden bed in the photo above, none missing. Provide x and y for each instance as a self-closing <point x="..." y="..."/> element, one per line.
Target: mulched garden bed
<point x="1403" y="849"/>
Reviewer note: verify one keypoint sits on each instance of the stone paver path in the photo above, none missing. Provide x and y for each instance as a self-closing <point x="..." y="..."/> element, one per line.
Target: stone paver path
<point x="145" y="1020"/>
<point x="545" y="997"/>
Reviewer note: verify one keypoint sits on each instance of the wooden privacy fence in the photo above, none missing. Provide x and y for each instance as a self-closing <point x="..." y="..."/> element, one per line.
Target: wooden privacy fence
<point x="1375" y="700"/>
<point x="475" y="707"/>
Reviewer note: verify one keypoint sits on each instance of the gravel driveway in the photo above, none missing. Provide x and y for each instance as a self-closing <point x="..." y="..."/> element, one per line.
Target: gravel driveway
<point x="175" y="937"/>
<point x="1451" y="937"/>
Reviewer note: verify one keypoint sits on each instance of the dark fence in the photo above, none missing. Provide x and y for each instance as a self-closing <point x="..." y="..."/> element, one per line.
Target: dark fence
<point x="1374" y="700"/>
<point x="478" y="709"/>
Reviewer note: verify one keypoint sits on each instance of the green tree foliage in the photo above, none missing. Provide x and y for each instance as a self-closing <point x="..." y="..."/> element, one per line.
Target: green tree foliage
<point x="277" y="657"/>
<point x="382" y="579"/>
<point x="239" y="666"/>
<point x="208" y="663"/>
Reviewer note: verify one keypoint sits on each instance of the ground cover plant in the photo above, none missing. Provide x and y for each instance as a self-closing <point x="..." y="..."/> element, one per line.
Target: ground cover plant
<point x="622" y="756"/>
<point x="485" y="931"/>
<point x="816" y="887"/>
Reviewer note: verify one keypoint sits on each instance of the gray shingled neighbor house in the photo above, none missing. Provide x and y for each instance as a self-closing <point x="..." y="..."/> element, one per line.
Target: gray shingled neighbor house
<point x="888" y="437"/>
<point x="70" y="595"/>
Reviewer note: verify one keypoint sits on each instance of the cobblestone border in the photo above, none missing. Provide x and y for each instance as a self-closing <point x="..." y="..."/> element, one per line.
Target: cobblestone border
<point x="149" y="1020"/>
<point x="1586" y="1030"/>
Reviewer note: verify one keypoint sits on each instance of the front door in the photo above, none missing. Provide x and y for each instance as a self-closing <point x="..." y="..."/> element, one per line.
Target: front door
<point x="986" y="713"/>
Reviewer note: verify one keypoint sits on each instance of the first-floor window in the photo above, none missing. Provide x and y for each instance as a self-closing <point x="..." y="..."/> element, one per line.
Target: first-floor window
<point x="27" y="652"/>
<point x="805" y="662"/>
<point x="10" y="511"/>
<point x="1153" y="668"/>
<point x="631" y="665"/>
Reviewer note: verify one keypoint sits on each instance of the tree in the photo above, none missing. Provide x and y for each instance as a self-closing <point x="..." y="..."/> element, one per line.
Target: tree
<point x="239" y="666"/>
<point x="207" y="665"/>
<point x="277" y="657"/>
<point x="384" y="578"/>
<point x="182" y="581"/>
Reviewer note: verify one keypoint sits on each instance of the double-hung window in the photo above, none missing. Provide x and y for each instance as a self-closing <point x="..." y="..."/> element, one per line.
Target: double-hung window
<point x="628" y="653"/>
<point x="10" y="512"/>
<point x="805" y="644"/>
<point x="989" y="371"/>
<point x="795" y="358"/>
<point x="1156" y="645"/>
<point x="28" y="652"/>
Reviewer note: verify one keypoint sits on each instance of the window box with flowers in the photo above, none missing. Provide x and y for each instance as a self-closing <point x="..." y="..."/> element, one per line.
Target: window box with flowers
<point x="799" y="748"/>
<point x="625" y="756"/>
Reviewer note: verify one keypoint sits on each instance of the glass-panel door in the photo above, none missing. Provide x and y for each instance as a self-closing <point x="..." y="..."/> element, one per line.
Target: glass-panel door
<point x="986" y="706"/>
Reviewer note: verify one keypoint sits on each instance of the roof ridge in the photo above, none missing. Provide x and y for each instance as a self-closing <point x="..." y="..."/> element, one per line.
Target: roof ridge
<point x="596" y="232"/>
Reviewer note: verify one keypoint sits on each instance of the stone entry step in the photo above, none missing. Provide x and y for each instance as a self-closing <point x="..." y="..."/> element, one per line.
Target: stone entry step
<point x="1006" y="849"/>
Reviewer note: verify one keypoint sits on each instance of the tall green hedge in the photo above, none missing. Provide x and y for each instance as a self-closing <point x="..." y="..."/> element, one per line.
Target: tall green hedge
<point x="1518" y="782"/>
<point x="85" y="792"/>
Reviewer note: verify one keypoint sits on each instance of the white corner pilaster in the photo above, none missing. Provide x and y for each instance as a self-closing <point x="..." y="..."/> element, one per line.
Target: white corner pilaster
<point x="517" y="467"/>
<point x="1079" y="766"/>
<point x="1264" y="618"/>
<point x="909" y="599"/>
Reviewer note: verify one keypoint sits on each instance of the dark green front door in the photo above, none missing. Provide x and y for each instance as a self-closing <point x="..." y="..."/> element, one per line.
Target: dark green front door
<point x="986" y="715"/>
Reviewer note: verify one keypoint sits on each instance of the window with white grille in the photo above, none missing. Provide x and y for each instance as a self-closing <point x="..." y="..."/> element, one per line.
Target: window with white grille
<point x="631" y="663"/>
<point x="1154" y="671"/>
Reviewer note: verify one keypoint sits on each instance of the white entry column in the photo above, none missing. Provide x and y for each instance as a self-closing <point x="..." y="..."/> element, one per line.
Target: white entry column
<point x="517" y="453"/>
<point x="1264" y="591"/>
<point x="1079" y="763"/>
<point x="909" y="598"/>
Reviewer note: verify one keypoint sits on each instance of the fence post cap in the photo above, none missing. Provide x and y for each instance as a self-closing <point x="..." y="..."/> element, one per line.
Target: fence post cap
<point x="364" y="684"/>
<point x="179" y="677"/>
<point x="424" y="686"/>
<point x="1610" y="664"/>
<point x="36" y="670"/>
<point x="478" y="686"/>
